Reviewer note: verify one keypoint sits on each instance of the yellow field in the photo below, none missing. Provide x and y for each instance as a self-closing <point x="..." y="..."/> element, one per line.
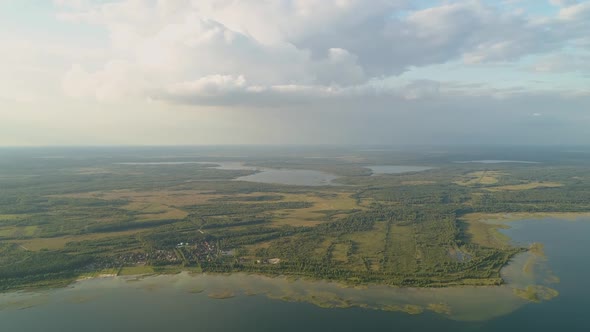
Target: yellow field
<point x="417" y="183"/>
<point x="98" y="274"/>
<point x="526" y="186"/>
<point x="16" y="231"/>
<point x="161" y="197"/>
<point x="322" y="249"/>
<point x="166" y="204"/>
<point x="60" y="242"/>
<point x="312" y="216"/>
<point x="135" y="270"/>
<point x="251" y="249"/>
<point x="11" y="217"/>
<point x="153" y="211"/>
<point x="485" y="234"/>
<point x="339" y="253"/>
<point x="479" y="178"/>
<point x="507" y="217"/>
<point x="402" y="250"/>
<point x="6" y="231"/>
<point x="370" y="246"/>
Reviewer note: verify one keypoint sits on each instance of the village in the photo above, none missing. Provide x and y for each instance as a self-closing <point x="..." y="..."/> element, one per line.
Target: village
<point x="184" y="253"/>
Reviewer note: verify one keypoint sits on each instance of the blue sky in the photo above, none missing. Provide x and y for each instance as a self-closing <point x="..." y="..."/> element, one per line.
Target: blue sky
<point x="313" y="71"/>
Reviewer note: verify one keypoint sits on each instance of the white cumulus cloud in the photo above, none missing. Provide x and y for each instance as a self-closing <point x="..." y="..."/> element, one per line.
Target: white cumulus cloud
<point x="193" y="51"/>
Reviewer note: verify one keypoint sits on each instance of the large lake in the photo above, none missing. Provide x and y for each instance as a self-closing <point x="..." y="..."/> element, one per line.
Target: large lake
<point x="393" y="169"/>
<point x="286" y="176"/>
<point x="241" y="302"/>
<point x="495" y="161"/>
<point x="294" y="177"/>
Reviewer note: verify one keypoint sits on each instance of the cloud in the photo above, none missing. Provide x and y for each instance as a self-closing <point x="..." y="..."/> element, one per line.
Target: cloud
<point x="563" y="3"/>
<point x="78" y="4"/>
<point x="246" y="51"/>
<point x="563" y="63"/>
<point x="117" y="80"/>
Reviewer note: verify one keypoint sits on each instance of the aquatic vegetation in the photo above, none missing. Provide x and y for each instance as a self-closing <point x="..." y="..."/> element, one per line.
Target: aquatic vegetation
<point x="440" y="308"/>
<point x="537" y="249"/>
<point x="536" y="293"/>
<point x="196" y="290"/>
<point x="23" y="301"/>
<point x="408" y="308"/>
<point x="552" y="279"/>
<point x="222" y="295"/>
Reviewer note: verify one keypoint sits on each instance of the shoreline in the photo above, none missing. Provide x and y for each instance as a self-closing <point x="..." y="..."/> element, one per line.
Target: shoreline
<point x="519" y="216"/>
<point x="494" y="222"/>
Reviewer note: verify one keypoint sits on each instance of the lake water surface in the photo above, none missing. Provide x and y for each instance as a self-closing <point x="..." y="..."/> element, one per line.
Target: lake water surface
<point x="393" y="169"/>
<point x="494" y="161"/>
<point x="294" y="177"/>
<point x="286" y="176"/>
<point x="255" y="303"/>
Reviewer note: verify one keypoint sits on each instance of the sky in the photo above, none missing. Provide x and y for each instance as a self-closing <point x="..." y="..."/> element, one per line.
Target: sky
<point x="387" y="72"/>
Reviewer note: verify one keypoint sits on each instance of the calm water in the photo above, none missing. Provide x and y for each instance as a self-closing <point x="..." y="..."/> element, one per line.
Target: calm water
<point x="493" y="161"/>
<point x="187" y="303"/>
<point x="160" y="163"/>
<point x="391" y="169"/>
<point x="294" y="177"/>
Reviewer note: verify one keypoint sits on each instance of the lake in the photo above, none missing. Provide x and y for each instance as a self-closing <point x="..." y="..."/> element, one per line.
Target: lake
<point x="242" y="302"/>
<point x="392" y="169"/>
<point x="286" y="176"/>
<point x="293" y="177"/>
<point x="493" y="161"/>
